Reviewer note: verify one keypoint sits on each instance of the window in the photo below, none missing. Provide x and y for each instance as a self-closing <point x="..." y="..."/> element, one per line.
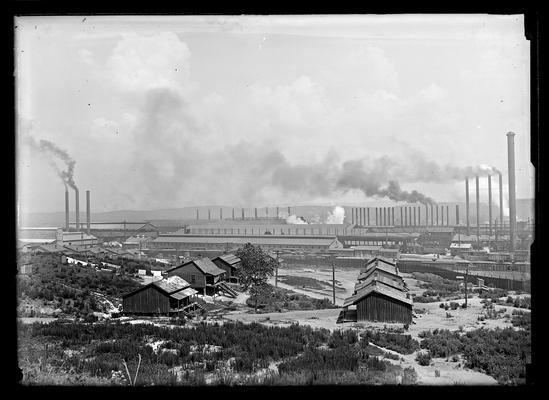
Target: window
<point x="193" y="278"/>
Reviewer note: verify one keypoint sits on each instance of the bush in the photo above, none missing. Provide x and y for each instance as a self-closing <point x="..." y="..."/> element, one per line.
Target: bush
<point x="423" y="359"/>
<point x="403" y="344"/>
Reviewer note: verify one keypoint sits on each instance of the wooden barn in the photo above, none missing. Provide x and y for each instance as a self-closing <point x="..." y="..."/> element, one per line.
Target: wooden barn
<point x="380" y="294"/>
<point x="381" y="303"/>
<point x="230" y="264"/>
<point x="203" y="275"/>
<point x="166" y="296"/>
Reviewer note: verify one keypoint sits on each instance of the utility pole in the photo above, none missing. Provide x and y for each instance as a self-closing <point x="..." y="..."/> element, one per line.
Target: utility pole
<point x="466" y="273"/>
<point x="276" y="273"/>
<point x="333" y="280"/>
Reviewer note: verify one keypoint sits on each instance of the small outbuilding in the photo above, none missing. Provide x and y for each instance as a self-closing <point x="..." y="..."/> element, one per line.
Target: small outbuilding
<point x="202" y="274"/>
<point x="166" y="296"/>
<point x="230" y="264"/>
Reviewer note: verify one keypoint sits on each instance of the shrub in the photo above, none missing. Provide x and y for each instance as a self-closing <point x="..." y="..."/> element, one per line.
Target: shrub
<point x="403" y="344"/>
<point x="423" y="358"/>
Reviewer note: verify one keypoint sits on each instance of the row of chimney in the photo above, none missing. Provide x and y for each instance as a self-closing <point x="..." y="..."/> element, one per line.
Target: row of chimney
<point x="243" y="216"/>
<point x="77" y="210"/>
<point x="409" y="216"/>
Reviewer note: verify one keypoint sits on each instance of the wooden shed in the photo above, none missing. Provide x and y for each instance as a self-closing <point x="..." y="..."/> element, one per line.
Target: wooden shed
<point x="382" y="303"/>
<point x="230" y="264"/>
<point x="202" y="274"/>
<point x="164" y="296"/>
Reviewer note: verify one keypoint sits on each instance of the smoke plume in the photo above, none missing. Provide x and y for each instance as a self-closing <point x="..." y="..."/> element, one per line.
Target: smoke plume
<point x="336" y="216"/>
<point x="295" y="220"/>
<point x="53" y="152"/>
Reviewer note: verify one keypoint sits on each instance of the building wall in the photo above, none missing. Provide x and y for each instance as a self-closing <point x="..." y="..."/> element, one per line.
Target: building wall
<point x="224" y="266"/>
<point x="187" y="272"/>
<point x="147" y="301"/>
<point x="376" y="307"/>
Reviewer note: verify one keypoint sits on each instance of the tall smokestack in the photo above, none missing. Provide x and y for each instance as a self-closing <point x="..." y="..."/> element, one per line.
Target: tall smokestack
<point x="437" y="214"/>
<point x="242" y="213"/>
<point x="368" y="216"/>
<point x="233" y="213"/>
<point x="277" y="212"/>
<point x="197" y="214"/>
<point x="405" y="216"/>
<point x="393" y="213"/>
<point x="432" y="216"/>
<point x="255" y="212"/>
<point x="376" y="217"/>
<point x="467" y="203"/>
<point x="447" y="215"/>
<point x="501" y="199"/>
<point x="77" y="205"/>
<point x="457" y="214"/>
<point x="478" y="210"/>
<point x="490" y="204"/>
<point x="221" y="214"/>
<point x="88" y="222"/>
<point x="67" y="210"/>
<point x="419" y="215"/>
<point x="267" y="212"/>
<point x="401" y="218"/>
<point x="512" y="198"/>
<point x="426" y="214"/>
<point x="384" y="216"/>
<point x="441" y="215"/>
<point x="289" y="213"/>
<point x="415" y="221"/>
<point x="209" y="217"/>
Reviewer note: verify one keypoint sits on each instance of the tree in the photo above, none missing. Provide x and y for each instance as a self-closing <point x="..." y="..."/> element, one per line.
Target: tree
<point x="256" y="268"/>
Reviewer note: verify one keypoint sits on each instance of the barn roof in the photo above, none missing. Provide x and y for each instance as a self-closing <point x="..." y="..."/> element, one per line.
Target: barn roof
<point x="400" y="284"/>
<point x="377" y="288"/>
<point x="203" y="264"/>
<point x="230" y="259"/>
<point x="171" y="284"/>
<point x="183" y="293"/>
<point x="168" y="285"/>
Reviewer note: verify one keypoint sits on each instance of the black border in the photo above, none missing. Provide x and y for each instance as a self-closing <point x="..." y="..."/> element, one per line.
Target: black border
<point x="533" y="32"/>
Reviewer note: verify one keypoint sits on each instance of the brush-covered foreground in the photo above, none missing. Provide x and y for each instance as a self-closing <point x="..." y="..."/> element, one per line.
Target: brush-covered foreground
<point x="227" y="354"/>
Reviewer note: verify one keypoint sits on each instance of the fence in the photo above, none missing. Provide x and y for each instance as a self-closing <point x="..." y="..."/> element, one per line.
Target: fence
<point x="449" y="271"/>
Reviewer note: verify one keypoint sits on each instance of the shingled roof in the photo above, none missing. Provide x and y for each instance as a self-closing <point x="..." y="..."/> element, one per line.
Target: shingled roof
<point x="203" y="264"/>
<point x="171" y="284"/>
<point x="377" y="288"/>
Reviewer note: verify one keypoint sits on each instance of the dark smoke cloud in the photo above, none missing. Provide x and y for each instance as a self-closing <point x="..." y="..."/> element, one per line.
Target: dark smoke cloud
<point x="53" y="151"/>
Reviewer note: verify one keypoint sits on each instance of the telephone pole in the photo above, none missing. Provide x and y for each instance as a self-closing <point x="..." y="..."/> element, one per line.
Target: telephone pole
<point x="276" y="274"/>
<point x="333" y="280"/>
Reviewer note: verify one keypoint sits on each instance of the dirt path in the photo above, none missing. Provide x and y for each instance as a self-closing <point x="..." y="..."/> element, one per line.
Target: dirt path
<point x="315" y="318"/>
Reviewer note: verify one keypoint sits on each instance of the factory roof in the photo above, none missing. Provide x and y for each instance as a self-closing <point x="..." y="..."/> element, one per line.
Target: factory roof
<point x="377" y="288"/>
<point x="367" y="248"/>
<point x="258" y="240"/>
<point x="244" y="224"/>
<point x="137" y="239"/>
<point x="77" y="236"/>
<point x="39" y="228"/>
<point x="389" y="250"/>
<point x="118" y="226"/>
<point x="203" y="264"/>
<point x="383" y="235"/>
<point x="50" y="248"/>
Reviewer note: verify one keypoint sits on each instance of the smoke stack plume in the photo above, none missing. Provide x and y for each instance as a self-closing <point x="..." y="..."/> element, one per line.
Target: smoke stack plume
<point x="88" y="221"/>
<point x="67" y="210"/>
<point x="512" y="196"/>
<point x="77" y="206"/>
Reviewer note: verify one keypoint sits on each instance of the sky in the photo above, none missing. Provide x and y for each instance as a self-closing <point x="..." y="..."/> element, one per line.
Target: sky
<point x="157" y="112"/>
